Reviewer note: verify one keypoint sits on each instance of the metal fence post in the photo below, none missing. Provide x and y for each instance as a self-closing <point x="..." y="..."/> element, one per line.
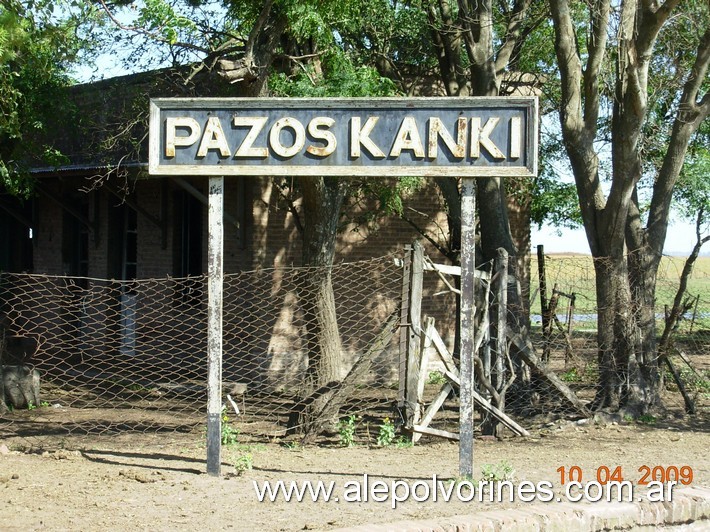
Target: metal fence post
<point x="215" y="277"/>
<point x="468" y="311"/>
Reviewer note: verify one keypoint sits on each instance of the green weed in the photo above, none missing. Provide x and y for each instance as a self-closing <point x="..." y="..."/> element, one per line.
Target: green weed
<point x="387" y="433"/>
<point x="436" y="377"/>
<point x="229" y="433"/>
<point x="499" y="472"/>
<point x="346" y="431"/>
<point x="243" y="463"/>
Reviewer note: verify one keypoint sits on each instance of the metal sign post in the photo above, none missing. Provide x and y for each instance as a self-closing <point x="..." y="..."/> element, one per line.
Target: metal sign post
<point x="215" y="277"/>
<point x="466" y="320"/>
<point x="376" y="137"/>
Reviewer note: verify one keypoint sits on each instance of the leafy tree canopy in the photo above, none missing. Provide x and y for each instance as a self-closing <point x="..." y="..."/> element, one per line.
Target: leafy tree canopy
<point x="39" y="43"/>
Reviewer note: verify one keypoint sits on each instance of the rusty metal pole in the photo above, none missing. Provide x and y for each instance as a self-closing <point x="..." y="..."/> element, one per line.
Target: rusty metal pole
<point x="215" y="276"/>
<point x="467" y="337"/>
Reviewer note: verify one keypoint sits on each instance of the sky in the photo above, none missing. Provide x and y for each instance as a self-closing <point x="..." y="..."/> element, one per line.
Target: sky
<point x="679" y="241"/>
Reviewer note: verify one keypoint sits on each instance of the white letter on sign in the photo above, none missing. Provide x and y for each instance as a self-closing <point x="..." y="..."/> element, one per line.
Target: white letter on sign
<point x="322" y="134"/>
<point x="172" y="139"/>
<point x="275" y="137"/>
<point x="516" y="140"/>
<point x="246" y="148"/>
<point x="438" y="129"/>
<point x="214" y="139"/>
<point x="480" y="137"/>
<point x="359" y="136"/>
<point x="408" y="139"/>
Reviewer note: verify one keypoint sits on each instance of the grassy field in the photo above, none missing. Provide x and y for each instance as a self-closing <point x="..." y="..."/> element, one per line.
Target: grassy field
<point x="575" y="274"/>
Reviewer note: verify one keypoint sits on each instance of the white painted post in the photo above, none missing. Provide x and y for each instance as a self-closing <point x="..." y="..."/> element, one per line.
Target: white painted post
<point x="214" y="324"/>
<point x="467" y="336"/>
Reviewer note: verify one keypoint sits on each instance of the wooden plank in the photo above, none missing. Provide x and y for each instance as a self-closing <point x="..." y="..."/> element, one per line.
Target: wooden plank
<point x="487" y="406"/>
<point x="341" y="391"/>
<point x="199" y="196"/>
<point x="527" y="353"/>
<point x="404" y="332"/>
<point x="447" y="269"/>
<point x="414" y="329"/>
<point x="215" y="276"/>
<point x="443" y="351"/>
<point x="685" y="359"/>
<point x="425" y="342"/>
<point x="436" y="432"/>
<point x="433" y="409"/>
<point x="502" y="320"/>
<point x="500" y="416"/>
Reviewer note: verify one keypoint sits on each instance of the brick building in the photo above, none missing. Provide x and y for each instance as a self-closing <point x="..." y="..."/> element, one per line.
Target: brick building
<point x="101" y="216"/>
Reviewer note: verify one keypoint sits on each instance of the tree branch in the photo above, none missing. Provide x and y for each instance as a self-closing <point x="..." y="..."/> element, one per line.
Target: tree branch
<point x="512" y="35"/>
<point x="689" y="117"/>
<point x="597" y="50"/>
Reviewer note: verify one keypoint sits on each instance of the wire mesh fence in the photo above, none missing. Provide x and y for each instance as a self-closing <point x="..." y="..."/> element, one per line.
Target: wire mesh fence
<point x="563" y="320"/>
<point x="564" y="315"/>
<point x="130" y="356"/>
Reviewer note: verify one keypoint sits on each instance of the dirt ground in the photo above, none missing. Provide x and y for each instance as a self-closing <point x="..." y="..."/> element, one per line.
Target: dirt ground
<point x="158" y="482"/>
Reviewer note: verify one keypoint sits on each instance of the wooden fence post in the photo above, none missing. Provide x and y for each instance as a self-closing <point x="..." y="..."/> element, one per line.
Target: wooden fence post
<point x="410" y="337"/>
<point x="544" y="308"/>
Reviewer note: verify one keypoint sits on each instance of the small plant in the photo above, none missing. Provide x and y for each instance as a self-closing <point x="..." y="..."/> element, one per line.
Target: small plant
<point x="229" y="433"/>
<point x="571" y="376"/>
<point x="499" y="472"/>
<point x="647" y="419"/>
<point x="386" y="435"/>
<point x="31" y="405"/>
<point x="346" y="431"/>
<point x="403" y="443"/>
<point x="243" y="463"/>
<point x="436" y="377"/>
<point x="44" y="404"/>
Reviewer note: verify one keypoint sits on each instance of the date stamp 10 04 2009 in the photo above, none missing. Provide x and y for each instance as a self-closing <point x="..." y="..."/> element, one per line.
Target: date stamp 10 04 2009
<point x="643" y="476"/>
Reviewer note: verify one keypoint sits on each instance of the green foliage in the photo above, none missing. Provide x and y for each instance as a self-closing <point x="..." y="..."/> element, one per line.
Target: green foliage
<point x="340" y="78"/>
<point x="501" y="471"/>
<point x="243" y="462"/>
<point x="403" y="442"/>
<point x="160" y="18"/>
<point x="387" y="433"/>
<point x="346" y="431"/>
<point x="436" y="377"/>
<point x="693" y="189"/>
<point x="229" y="434"/>
<point x="698" y="383"/>
<point x="571" y="376"/>
<point x="646" y="419"/>
<point x="39" y="41"/>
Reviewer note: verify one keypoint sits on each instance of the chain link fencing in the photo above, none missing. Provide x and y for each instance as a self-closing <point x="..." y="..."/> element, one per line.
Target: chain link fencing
<point x="563" y="312"/>
<point x="130" y="356"/>
<point x="564" y="315"/>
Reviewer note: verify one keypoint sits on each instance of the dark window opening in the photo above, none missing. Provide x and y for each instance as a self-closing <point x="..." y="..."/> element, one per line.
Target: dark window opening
<point x="187" y="249"/>
<point x="16" y="254"/>
<point x="122" y="253"/>
<point x="75" y="239"/>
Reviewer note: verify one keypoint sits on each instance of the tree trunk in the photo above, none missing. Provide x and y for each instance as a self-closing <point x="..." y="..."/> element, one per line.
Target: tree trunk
<point x="613" y="325"/>
<point x="322" y="201"/>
